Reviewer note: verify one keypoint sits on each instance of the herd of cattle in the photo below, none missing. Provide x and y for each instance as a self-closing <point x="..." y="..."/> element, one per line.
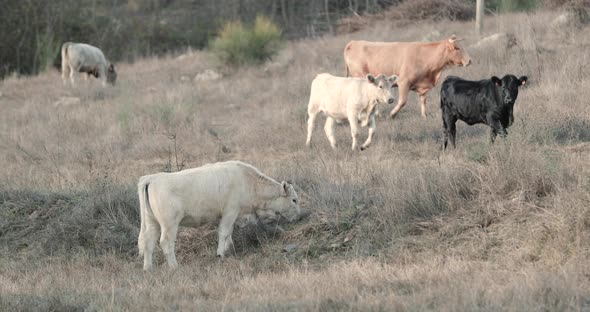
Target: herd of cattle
<point x="226" y="191"/>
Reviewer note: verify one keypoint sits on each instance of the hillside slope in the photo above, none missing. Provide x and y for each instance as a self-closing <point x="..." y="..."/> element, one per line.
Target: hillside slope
<point x="401" y="226"/>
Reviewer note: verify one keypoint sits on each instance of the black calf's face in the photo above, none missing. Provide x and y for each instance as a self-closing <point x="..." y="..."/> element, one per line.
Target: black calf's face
<point x="509" y="85"/>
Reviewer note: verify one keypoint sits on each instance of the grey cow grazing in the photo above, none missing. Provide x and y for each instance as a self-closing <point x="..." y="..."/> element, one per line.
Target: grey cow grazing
<point x="84" y="58"/>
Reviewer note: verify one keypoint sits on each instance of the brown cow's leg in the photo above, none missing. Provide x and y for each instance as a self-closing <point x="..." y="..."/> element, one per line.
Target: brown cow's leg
<point x="422" y="104"/>
<point x="403" y="99"/>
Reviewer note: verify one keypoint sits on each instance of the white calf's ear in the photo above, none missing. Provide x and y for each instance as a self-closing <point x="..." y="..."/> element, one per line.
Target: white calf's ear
<point x="284" y="189"/>
<point x="112" y="68"/>
<point x="370" y="78"/>
<point x="392" y="78"/>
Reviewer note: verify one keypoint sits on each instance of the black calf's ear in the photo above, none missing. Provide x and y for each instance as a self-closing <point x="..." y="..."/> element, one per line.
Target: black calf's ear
<point x="523" y="80"/>
<point x="371" y="78"/>
<point x="497" y="81"/>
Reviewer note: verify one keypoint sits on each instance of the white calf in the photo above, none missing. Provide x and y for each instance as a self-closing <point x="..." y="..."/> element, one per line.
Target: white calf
<point x="219" y="192"/>
<point x="347" y="98"/>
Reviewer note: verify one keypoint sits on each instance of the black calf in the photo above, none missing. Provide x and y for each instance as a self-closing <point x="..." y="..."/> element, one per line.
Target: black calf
<point x="488" y="101"/>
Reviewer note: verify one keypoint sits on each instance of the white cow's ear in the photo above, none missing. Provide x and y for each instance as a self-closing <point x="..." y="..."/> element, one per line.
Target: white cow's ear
<point x="370" y="78"/>
<point x="284" y="189"/>
<point x="392" y="79"/>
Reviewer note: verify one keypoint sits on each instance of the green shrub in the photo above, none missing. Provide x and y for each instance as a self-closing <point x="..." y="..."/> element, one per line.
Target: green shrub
<point x="241" y="45"/>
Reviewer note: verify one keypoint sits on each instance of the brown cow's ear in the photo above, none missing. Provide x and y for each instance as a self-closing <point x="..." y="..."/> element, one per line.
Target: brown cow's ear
<point x="454" y="39"/>
<point x="370" y="78"/>
<point x="523" y="80"/>
<point x="497" y="81"/>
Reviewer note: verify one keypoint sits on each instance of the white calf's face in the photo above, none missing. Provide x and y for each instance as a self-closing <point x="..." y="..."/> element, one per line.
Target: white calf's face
<point x="383" y="90"/>
<point x="286" y="205"/>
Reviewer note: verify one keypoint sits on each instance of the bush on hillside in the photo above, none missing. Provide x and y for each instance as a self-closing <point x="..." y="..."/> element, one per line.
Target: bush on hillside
<point x="241" y="45"/>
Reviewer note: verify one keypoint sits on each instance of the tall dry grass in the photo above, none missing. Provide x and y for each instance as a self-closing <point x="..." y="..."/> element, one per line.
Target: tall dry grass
<point x="401" y="226"/>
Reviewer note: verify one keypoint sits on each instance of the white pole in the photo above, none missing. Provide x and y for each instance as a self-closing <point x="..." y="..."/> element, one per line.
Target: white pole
<point x="479" y="16"/>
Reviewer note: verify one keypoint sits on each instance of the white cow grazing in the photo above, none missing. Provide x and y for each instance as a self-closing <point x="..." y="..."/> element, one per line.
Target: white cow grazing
<point x="84" y="58"/>
<point x="347" y="98"/>
<point x="219" y="192"/>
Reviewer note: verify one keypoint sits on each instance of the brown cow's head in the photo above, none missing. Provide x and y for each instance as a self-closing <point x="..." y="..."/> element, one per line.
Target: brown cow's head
<point x="456" y="53"/>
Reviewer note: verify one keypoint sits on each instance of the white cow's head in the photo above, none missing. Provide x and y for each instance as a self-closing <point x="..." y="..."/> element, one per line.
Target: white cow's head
<point x="285" y="205"/>
<point x="382" y="93"/>
<point x="111" y="74"/>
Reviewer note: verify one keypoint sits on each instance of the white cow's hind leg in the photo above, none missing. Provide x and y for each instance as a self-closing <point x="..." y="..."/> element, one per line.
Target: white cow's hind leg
<point x="226" y="227"/>
<point x="310" y="126"/>
<point x="72" y="71"/>
<point x="150" y="235"/>
<point x="372" y="128"/>
<point x="329" y="127"/>
<point x="64" y="73"/>
<point x="167" y="241"/>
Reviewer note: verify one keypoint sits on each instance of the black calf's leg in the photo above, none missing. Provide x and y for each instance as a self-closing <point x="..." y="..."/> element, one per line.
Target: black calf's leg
<point x="449" y="129"/>
<point x="453" y="132"/>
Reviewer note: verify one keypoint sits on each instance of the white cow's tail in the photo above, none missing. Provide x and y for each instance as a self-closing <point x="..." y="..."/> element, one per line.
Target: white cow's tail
<point x="144" y="207"/>
<point x="64" y="57"/>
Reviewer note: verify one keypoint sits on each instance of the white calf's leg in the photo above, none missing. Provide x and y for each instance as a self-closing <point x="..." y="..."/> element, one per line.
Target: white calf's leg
<point x="167" y="240"/>
<point x="329" y="127"/>
<point x="150" y="235"/>
<point x="226" y="227"/>
<point x="310" y="126"/>
<point x="372" y="128"/>
<point x="354" y="129"/>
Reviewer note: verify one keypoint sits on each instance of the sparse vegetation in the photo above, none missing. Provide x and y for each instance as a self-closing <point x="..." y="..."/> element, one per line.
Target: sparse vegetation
<point x="401" y="226"/>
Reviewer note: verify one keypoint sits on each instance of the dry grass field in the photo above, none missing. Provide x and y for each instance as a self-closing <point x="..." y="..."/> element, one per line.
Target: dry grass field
<point x="401" y="226"/>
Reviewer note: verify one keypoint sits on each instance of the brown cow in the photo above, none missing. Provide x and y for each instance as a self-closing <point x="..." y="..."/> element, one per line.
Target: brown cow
<point x="417" y="65"/>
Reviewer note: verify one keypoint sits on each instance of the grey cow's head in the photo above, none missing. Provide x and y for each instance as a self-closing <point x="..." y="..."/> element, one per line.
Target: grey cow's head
<point x="285" y="205"/>
<point x="508" y="87"/>
<point x="111" y="74"/>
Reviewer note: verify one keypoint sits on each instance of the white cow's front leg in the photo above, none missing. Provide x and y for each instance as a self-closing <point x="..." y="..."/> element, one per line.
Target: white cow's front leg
<point x="310" y="126"/>
<point x="354" y="129"/>
<point x="372" y="129"/>
<point x="329" y="127"/>
<point x="226" y="227"/>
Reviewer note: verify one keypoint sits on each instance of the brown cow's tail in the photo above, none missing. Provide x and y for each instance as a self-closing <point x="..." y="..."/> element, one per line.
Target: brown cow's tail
<point x="347" y="69"/>
<point x="144" y="206"/>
